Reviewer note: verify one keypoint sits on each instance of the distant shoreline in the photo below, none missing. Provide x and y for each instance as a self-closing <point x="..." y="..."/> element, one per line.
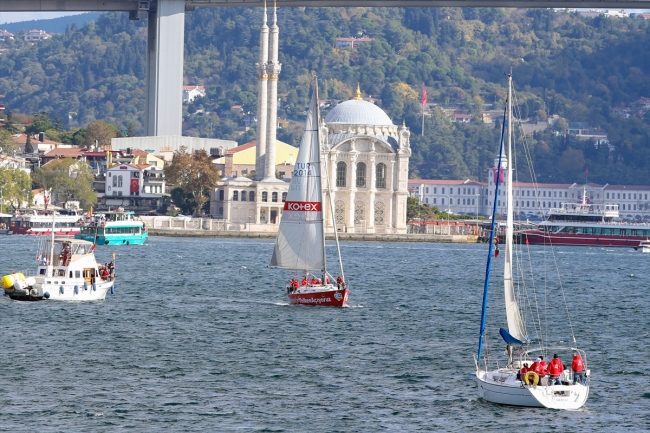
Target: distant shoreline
<point x="368" y="237"/>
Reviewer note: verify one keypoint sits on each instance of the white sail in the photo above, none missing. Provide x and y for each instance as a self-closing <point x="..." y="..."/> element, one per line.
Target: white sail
<point x="300" y="243"/>
<point x="515" y="324"/>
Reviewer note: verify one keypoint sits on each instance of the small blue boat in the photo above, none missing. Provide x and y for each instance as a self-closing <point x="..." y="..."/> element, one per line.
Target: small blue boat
<point x="113" y="228"/>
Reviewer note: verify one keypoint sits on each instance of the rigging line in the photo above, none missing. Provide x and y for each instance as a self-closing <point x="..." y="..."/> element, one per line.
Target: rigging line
<point x="566" y="306"/>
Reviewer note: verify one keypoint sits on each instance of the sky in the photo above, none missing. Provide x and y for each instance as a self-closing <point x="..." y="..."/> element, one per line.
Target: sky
<point x="14" y="17"/>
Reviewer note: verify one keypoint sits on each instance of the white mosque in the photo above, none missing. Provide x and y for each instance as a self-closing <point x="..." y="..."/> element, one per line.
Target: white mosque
<point x="366" y="156"/>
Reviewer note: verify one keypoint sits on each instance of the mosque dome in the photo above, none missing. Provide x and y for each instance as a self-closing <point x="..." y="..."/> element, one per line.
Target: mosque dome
<point x="358" y="112"/>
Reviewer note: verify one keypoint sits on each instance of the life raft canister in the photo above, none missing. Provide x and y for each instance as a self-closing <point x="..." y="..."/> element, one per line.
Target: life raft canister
<point x="531" y="378"/>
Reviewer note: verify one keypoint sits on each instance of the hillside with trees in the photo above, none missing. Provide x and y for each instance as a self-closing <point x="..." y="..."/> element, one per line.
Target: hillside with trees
<point x="577" y="68"/>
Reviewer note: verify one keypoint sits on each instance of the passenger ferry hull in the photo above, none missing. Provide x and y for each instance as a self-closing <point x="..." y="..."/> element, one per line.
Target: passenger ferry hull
<point x="138" y="239"/>
<point x="538" y="237"/>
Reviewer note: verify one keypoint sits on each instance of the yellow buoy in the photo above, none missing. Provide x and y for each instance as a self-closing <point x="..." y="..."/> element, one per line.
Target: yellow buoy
<point x="9" y="280"/>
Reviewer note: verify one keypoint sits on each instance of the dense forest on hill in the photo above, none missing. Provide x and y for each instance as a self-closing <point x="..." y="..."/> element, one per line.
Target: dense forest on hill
<point x="578" y="68"/>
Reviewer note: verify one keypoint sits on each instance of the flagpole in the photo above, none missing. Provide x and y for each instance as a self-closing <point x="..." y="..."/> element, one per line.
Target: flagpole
<point x="424" y="101"/>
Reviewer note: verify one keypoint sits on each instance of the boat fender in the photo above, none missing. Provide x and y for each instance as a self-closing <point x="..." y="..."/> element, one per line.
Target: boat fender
<point x="128" y="242"/>
<point x="112" y="289"/>
<point x="76" y="290"/>
<point x="61" y="290"/>
<point x="531" y="378"/>
<point x="94" y="287"/>
<point x="46" y="295"/>
<point x="85" y="285"/>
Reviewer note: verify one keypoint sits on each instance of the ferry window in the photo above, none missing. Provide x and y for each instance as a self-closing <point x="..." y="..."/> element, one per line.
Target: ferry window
<point x="616" y="231"/>
<point x="243" y="196"/>
<point x="42" y="272"/>
<point x="251" y="196"/>
<point x="341" y="169"/>
<point x="274" y="197"/>
<point x="284" y="197"/>
<point x="70" y="274"/>
<point x="221" y="194"/>
<point x="361" y="175"/>
<point x="235" y="196"/>
<point x="265" y="196"/>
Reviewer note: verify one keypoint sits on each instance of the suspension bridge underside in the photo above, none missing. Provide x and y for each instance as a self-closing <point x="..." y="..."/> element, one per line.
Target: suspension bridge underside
<point x="166" y="23"/>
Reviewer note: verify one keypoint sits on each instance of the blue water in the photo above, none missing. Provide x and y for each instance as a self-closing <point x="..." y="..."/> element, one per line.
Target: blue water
<point x="191" y="341"/>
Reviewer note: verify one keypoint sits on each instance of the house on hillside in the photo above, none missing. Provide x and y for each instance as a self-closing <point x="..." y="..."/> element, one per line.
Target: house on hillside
<point x="15" y="163"/>
<point x="461" y="118"/>
<point x="192" y="92"/>
<point x="34" y="36"/>
<point x="342" y="43"/>
<point x="240" y="161"/>
<point x="63" y="152"/>
<point x="138" y="187"/>
<point x="5" y="36"/>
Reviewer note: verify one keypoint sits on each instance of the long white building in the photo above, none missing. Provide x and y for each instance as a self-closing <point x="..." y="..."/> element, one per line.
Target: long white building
<point x="531" y="200"/>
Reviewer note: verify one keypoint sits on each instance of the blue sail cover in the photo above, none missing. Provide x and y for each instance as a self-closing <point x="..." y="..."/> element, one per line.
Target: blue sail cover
<point x="509" y="338"/>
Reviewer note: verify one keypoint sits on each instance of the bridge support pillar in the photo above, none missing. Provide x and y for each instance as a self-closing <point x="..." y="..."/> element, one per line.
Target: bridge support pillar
<point x="164" y="75"/>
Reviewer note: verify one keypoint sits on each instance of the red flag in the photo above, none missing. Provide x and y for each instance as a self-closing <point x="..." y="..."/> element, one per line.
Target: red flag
<point x="424" y="95"/>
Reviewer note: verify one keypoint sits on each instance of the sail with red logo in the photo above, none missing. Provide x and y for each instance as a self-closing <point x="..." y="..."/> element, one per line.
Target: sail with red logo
<point x="300" y="244"/>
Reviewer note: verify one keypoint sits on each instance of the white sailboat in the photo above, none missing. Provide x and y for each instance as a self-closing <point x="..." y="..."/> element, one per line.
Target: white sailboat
<point x="507" y="385"/>
<point x="300" y="244"/>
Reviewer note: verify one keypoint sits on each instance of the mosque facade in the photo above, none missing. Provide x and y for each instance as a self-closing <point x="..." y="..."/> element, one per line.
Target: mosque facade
<point x="365" y="170"/>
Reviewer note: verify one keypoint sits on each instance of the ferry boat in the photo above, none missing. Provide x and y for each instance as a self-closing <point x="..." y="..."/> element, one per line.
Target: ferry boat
<point x="39" y="223"/>
<point x="583" y="224"/>
<point x="67" y="271"/>
<point x="113" y="228"/>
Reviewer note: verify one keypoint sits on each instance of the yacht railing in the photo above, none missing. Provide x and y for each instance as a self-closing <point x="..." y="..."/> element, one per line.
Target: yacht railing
<point x="609" y="210"/>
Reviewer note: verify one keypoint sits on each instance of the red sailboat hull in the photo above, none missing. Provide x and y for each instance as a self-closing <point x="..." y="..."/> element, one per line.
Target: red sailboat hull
<point x="537" y="237"/>
<point x="325" y="298"/>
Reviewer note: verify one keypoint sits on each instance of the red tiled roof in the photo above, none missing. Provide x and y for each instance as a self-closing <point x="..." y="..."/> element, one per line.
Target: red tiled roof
<point x="65" y="152"/>
<point x="193" y="87"/>
<point x="22" y="139"/>
<point x="242" y="147"/>
<point x="139" y="152"/>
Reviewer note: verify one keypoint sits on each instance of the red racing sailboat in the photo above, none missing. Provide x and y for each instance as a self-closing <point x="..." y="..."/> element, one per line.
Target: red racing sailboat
<point x="300" y="244"/>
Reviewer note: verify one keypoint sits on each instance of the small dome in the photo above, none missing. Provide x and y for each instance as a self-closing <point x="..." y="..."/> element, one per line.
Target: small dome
<point x="358" y="112"/>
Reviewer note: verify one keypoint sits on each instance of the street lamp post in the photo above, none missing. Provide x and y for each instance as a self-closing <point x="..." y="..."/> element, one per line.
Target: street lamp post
<point x="249" y="223"/>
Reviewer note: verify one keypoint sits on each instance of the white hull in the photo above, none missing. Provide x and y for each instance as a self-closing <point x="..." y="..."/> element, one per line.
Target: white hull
<point x="70" y="291"/>
<point x="502" y="387"/>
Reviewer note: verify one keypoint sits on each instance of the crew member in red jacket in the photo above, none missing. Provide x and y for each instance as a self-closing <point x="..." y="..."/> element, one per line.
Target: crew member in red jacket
<point x="578" y="368"/>
<point x="522" y="372"/>
<point x="554" y="370"/>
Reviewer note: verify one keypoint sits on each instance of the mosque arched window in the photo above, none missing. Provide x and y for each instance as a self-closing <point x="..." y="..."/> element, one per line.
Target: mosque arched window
<point x="381" y="176"/>
<point x="265" y="196"/>
<point x="251" y="196"/>
<point x="341" y="170"/>
<point x="221" y="195"/>
<point x="274" y="197"/>
<point x="235" y="195"/>
<point x="361" y="175"/>
<point x="243" y="196"/>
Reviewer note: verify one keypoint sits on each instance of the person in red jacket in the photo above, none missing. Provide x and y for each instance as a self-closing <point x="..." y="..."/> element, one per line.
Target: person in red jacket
<point x="522" y="372"/>
<point x="578" y="368"/>
<point x="304" y="281"/>
<point x="554" y="370"/>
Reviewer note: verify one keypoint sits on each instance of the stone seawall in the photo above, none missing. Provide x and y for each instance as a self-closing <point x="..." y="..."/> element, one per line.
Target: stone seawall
<point x="376" y="237"/>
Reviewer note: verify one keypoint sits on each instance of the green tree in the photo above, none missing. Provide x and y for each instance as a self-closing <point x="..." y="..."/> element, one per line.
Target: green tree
<point x="28" y="145"/>
<point x="41" y="123"/>
<point x="16" y="188"/>
<point x="101" y="132"/>
<point x="7" y="144"/>
<point x="69" y="178"/>
<point x="195" y="174"/>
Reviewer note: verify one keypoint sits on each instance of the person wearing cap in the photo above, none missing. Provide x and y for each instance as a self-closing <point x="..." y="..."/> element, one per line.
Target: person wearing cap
<point x="554" y="370"/>
<point x="537" y="367"/>
<point x="578" y="368"/>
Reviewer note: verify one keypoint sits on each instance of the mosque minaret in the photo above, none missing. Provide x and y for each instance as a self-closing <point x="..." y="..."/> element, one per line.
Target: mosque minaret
<point x="262" y="82"/>
<point x="268" y="69"/>
<point x="273" y="68"/>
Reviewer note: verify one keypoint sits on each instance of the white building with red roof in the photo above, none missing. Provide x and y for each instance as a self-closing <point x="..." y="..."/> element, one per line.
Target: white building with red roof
<point x="36" y="36"/>
<point x="134" y="186"/>
<point x="192" y="92"/>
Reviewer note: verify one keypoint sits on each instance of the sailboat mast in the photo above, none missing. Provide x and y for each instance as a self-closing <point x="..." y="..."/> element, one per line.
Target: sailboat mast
<point x="509" y="195"/>
<point x="316" y="124"/>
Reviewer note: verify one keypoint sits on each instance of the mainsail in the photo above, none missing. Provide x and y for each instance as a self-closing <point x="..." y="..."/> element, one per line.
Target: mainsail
<point x="515" y="324"/>
<point x="300" y="243"/>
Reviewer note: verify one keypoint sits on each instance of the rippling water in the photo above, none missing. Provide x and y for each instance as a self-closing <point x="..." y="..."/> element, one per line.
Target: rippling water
<point x="191" y="341"/>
